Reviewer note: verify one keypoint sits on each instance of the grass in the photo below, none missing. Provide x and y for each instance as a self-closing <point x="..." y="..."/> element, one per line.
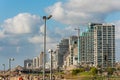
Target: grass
<point x="82" y="76"/>
<point x="85" y="73"/>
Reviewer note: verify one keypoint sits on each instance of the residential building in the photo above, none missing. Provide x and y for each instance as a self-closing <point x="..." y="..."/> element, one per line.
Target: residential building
<point x="73" y="49"/>
<point x="61" y="50"/>
<point x="103" y="44"/>
<point x="71" y="57"/>
<point x="28" y="63"/>
<point x="97" y="47"/>
<point x="36" y="62"/>
<point x="86" y="48"/>
<point x="41" y="59"/>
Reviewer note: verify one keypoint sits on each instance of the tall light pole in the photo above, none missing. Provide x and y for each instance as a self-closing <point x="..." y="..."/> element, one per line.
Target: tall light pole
<point x="4" y="67"/>
<point x="50" y="51"/>
<point x="78" y="29"/>
<point x="10" y="59"/>
<point x="45" y="19"/>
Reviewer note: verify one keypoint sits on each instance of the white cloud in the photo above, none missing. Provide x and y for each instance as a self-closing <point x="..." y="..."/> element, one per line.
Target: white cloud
<point x="80" y="12"/>
<point x="17" y="49"/>
<point x="57" y="10"/>
<point x="22" y="23"/>
<point x="36" y="39"/>
<point x="65" y="32"/>
<point x="2" y="35"/>
<point x="117" y="29"/>
<point x="40" y="39"/>
<point x="51" y="40"/>
<point x="42" y="29"/>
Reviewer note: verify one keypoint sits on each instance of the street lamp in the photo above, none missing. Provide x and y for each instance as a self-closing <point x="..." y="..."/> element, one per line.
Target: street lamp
<point x="4" y="67"/>
<point x="45" y="19"/>
<point x="78" y="29"/>
<point x="11" y="59"/>
<point x="50" y="51"/>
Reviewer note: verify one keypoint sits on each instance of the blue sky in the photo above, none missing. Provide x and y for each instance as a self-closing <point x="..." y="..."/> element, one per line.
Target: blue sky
<point x="21" y="24"/>
<point x="11" y="8"/>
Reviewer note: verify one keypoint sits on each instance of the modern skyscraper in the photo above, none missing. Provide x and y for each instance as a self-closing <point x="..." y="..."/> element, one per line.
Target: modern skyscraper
<point x="86" y="48"/>
<point x="97" y="48"/>
<point x="104" y="44"/>
<point x="98" y="45"/>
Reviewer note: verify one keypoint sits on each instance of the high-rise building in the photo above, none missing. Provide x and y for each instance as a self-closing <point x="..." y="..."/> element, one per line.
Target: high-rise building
<point x="41" y="59"/>
<point x="98" y="45"/>
<point x="72" y="46"/>
<point x="71" y="57"/>
<point x="86" y="48"/>
<point x="104" y="44"/>
<point x="61" y="50"/>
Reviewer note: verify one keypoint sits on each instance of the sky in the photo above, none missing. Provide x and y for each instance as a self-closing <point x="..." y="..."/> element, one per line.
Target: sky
<point x="22" y="26"/>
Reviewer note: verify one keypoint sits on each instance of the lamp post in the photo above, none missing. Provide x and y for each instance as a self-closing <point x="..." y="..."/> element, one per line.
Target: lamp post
<point x="50" y="51"/>
<point x="4" y="67"/>
<point x="78" y="29"/>
<point x="11" y="59"/>
<point x="45" y="19"/>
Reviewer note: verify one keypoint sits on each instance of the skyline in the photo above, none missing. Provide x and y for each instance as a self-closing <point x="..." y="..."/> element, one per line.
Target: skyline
<point x="22" y="26"/>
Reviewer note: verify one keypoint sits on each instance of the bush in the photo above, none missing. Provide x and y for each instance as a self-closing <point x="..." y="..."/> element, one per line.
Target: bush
<point x="76" y="71"/>
<point x="110" y="70"/>
<point x="93" y="71"/>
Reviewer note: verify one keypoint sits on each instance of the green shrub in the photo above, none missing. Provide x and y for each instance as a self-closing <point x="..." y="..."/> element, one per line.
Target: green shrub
<point x="76" y="71"/>
<point x="110" y="70"/>
<point x="93" y="71"/>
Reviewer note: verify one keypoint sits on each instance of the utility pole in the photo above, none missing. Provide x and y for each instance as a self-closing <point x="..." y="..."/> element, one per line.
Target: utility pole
<point x="45" y="18"/>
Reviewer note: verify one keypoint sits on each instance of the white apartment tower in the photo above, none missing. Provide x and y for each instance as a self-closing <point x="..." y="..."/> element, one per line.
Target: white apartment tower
<point x="36" y="62"/>
<point x="103" y="44"/>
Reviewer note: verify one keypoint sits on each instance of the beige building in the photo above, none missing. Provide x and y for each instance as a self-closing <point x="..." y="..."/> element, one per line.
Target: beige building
<point x="41" y="59"/>
<point x="97" y="47"/>
<point x="71" y="58"/>
<point x="35" y="62"/>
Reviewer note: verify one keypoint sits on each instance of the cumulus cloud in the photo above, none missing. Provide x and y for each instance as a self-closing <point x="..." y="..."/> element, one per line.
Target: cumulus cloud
<point x="80" y="12"/>
<point x="14" y="31"/>
<point x="22" y="23"/>
<point x="65" y="32"/>
<point x="2" y="35"/>
<point x="42" y="29"/>
<point x="39" y="39"/>
<point x="36" y="39"/>
<point x="52" y="37"/>
<point x="117" y="29"/>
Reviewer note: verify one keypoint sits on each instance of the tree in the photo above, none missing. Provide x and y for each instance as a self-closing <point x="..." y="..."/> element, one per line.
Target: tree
<point x="93" y="71"/>
<point x="110" y="70"/>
